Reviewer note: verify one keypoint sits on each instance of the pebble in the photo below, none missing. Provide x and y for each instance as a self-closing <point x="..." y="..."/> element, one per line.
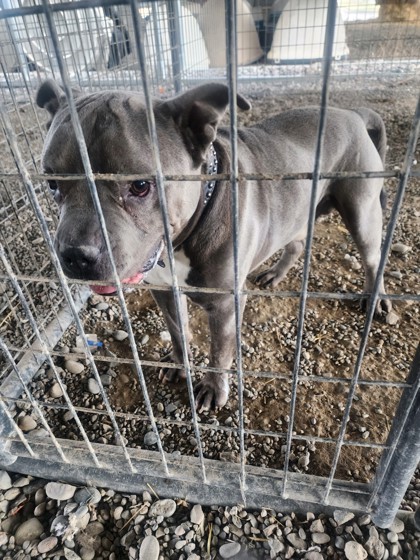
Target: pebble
<point x="317" y="526"/>
<point x="320" y="538"/>
<point x="400" y="248"/>
<point x="375" y="547"/>
<point x="144" y="340"/>
<point x="28" y="531"/>
<point x="229" y="550"/>
<point x="55" y="391"/>
<point x="392" y="318"/>
<point x="74" y="367"/>
<point x="5" y="480"/>
<point x="197" y="515"/>
<point x="150" y="438"/>
<point x="149" y="549"/>
<point x="164" y="508"/>
<point x="296" y="541"/>
<point x="313" y="555"/>
<point x="87" y="495"/>
<point x="102" y="306"/>
<point x="59" y="491"/>
<point x="87" y="553"/>
<point x="397" y="526"/>
<point x="3" y="538"/>
<point x="341" y="517"/>
<point x="47" y="544"/>
<point x="165" y="336"/>
<point x="27" y="423"/>
<point x="392" y="537"/>
<point x="120" y="335"/>
<point x="93" y="386"/>
<point x="354" y="551"/>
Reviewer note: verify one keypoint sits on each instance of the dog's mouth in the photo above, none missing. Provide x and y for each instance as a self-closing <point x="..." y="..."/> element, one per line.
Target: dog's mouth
<point x="151" y="262"/>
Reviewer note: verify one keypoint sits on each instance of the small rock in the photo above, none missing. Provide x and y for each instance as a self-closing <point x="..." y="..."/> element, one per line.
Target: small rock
<point x="149" y="549"/>
<point x="341" y="516"/>
<point x="339" y="543"/>
<point x="317" y="526"/>
<point x="150" y="438"/>
<point x="93" y="386"/>
<point x="74" y="367"/>
<point x="21" y="482"/>
<point x="397" y="526"/>
<point x="365" y="519"/>
<point x="375" y="547"/>
<point x="70" y="554"/>
<point x="102" y="306"/>
<point x="144" y="340"/>
<point x="320" y="538"/>
<point x="47" y="544"/>
<point x="165" y="336"/>
<point x="400" y="248"/>
<point x="3" y="538"/>
<point x="354" y="551"/>
<point x="28" y="531"/>
<point x="120" y="335"/>
<point x="55" y="391"/>
<point x="197" y="515"/>
<point x="11" y="494"/>
<point x="229" y="550"/>
<point x="5" y="481"/>
<point x="27" y="423"/>
<point x="392" y="318"/>
<point x="59" y="491"/>
<point x="296" y="541"/>
<point x="164" y="508"/>
<point x="313" y="555"/>
<point x="392" y="537"/>
<point x="88" y="495"/>
<point x="87" y="553"/>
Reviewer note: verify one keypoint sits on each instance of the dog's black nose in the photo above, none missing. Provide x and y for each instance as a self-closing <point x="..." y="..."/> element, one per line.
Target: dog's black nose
<point x="79" y="262"/>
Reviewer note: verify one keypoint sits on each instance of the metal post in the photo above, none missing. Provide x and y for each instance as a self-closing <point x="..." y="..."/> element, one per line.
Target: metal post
<point x="175" y="40"/>
<point x="399" y="462"/>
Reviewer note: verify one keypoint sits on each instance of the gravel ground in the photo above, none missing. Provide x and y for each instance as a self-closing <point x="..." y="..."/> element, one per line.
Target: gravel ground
<point x="43" y="519"/>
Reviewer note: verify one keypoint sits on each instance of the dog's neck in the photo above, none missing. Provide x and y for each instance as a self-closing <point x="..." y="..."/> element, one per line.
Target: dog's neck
<point x="206" y="194"/>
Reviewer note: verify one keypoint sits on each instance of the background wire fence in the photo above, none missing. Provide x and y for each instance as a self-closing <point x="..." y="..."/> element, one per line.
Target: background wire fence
<point x="163" y="48"/>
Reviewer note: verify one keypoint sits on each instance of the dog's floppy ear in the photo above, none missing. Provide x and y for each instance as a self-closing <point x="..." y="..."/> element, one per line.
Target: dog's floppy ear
<point x="198" y="113"/>
<point x="51" y="96"/>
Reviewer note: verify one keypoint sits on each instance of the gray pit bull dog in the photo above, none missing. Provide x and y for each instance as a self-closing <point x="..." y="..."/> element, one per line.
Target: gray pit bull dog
<point x="273" y="214"/>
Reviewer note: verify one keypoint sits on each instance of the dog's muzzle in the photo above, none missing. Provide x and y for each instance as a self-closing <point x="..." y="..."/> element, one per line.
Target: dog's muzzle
<point x="151" y="262"/>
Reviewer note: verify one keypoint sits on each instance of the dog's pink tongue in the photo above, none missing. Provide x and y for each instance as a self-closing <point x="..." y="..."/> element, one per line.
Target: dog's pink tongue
<point x="108" y="290"/>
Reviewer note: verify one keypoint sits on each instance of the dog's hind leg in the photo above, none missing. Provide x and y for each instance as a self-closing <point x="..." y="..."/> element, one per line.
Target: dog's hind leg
<point x="278" y="271"/>
<point x="166" y="302"/>
<point x="360" y="207"/>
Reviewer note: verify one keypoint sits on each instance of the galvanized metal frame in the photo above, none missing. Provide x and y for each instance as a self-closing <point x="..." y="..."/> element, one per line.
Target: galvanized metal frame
<point x="200" y="479"/>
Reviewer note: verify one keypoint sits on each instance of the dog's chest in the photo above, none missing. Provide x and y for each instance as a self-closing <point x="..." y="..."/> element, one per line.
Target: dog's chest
<point x="161" y="276"/>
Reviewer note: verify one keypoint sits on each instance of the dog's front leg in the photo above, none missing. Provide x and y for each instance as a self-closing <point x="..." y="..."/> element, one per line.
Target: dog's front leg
<point x="213" y="390"/>
<point x="166" y="302"/>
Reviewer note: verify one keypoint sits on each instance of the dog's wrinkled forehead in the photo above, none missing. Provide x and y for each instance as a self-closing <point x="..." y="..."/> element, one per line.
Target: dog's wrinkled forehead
<point x="111" y="122"/>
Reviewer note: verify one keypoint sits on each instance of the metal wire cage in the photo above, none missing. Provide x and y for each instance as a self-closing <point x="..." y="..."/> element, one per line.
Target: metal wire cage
<point x="163" y="48"/>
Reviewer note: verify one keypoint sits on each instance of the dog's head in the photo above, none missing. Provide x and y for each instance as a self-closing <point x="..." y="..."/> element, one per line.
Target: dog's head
<point x="116" y="134"/>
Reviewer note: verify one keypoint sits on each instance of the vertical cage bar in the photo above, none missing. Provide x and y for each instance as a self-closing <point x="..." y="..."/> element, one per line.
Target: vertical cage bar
<point x="232" y="71"/>
<point x="328" y="49"/>
<point x="167" y="235"/>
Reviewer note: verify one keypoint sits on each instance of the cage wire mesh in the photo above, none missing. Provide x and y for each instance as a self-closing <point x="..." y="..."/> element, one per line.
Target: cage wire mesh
<point x="324" y="401"/>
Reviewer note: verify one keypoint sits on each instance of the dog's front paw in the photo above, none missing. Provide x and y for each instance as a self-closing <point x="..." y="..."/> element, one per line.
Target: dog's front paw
<point x="211" y="392"/>
<point x="171" y="374"/>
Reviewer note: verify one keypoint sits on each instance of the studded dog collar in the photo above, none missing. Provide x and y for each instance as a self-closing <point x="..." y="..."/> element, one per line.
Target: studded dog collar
<point x="211" y="170"/>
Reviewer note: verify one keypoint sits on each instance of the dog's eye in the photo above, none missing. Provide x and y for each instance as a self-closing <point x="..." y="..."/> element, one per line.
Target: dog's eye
<point x="53" y="186"/>
<point x="140" y="188"/>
